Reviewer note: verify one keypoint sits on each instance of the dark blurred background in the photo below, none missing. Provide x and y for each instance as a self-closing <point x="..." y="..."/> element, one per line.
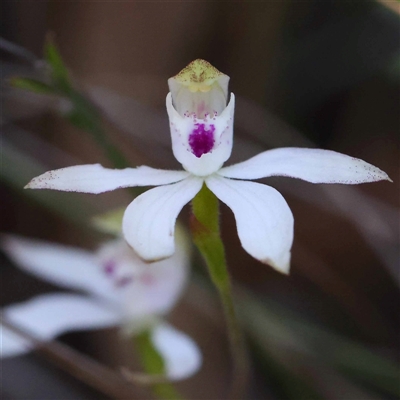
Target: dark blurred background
<point x="306" y="74"/>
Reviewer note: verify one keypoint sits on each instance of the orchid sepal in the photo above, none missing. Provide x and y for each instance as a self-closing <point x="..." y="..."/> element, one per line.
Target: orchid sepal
<point x="311" y="165"/>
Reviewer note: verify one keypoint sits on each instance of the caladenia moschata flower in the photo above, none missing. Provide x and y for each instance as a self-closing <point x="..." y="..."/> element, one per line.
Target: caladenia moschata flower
<point x="121" y="290"/>
<point x="201" y="121"/>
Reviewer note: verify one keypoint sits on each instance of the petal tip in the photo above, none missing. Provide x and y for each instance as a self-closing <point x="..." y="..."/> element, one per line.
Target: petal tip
<point x="282" y="265"/>
<point x="382" y="175"/>
<point x="374" y="174"/>
<point x="30" y="184"/>
<point x="180" y="352"/>
<point x="143" y="252"/>
<point x="38" y="182"/>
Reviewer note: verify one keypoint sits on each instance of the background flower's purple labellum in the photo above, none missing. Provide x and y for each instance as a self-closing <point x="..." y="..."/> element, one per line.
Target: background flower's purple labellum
<point x="124" y="281"/>
<point x="109" y="267"/>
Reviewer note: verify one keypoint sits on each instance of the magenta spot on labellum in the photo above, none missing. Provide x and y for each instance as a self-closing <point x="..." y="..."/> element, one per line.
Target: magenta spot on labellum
<point x="147" y="279"/>
<point x="109" y="267"/>
<point x="201" y="141"/>
<point x="124" y="281"/>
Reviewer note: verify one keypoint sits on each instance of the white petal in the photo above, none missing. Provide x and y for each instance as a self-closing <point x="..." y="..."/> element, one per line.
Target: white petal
<point x="312" y="165"/>
<point x="68" y="267"/>
<point x="263" y="218"/>
<point x="12" y="344"/>
<point x="93" y="178"/>
<point x="149" y="221"/>
<point x="182" y="127"/>
<point x="49" y="315"/>
<point x="181" y="354"/>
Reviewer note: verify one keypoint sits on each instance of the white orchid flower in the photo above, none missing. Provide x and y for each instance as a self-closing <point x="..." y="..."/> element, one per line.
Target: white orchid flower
<point x="121" y="290"/>
<point x="201" y="122"/>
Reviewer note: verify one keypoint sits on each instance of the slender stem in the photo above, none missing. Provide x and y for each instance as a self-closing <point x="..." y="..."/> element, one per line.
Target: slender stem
<point x="206" y="234"/>
<point x="154" y="365"/>
<point x="238" y="347"/>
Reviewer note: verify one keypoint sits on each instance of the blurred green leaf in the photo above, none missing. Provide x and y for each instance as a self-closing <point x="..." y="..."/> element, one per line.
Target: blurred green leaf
<point x="274" y="326"/>
<point x="59" y="71"/>
<point x="84" y="115"/>
<point x="286" y="384"/>
<point x="357" y="361"/>
<point x="32" y="85"/>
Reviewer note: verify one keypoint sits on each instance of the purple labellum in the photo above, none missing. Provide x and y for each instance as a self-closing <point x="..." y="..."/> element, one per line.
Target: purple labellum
<point x="201" y="141"/>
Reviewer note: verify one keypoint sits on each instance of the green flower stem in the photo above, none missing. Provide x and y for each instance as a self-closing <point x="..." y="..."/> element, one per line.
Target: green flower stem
<point x="207" y="237"/>
<point x="153" y="364"/>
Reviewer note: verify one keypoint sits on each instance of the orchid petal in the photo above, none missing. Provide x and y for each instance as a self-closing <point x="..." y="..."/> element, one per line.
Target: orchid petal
<point x="181" y="355"/>
<point x="68" y="267"/>
<point x="149" y="221"/>
<point x="12" y="344"/>
<point x="93" y="178"/>
<point x="50" y="315"/>
<point x="312" y="165"/>
<point x="263" y="218"/>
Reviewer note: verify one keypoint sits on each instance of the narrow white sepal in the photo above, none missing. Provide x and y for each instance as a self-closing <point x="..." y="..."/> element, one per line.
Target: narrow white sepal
<point x="93" y="178"/>
<point x="312" y="165"/>
<point x="180" y="353"/>
<point x="263" y="218"/>
<point x="12" y="344"/>
<point x="49" y="315"/>
<point x="149" y="221"/>
<point x="68" y="267"/>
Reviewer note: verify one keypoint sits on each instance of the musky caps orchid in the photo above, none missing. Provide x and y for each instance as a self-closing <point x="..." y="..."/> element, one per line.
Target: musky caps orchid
<point x="201" y="122"/>
<point x="121" y="290"/>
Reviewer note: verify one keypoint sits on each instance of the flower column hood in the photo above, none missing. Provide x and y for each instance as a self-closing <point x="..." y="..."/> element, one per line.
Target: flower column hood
<point x="201" y="122"/>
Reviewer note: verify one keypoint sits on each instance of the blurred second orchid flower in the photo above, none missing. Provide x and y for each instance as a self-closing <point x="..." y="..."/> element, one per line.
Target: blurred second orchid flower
<point x="201" y="123"/>
<point x="121" y="290"/>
